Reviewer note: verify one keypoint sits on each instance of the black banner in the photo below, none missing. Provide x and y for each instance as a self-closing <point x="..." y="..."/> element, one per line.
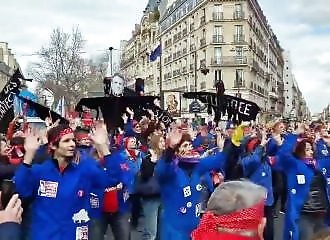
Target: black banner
<point x="112" y="108"/>
<point x="237" y="109"/>
<point x="7" y="96"/>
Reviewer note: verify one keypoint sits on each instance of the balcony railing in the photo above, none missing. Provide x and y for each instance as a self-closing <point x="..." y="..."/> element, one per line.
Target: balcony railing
<point x="228" y="61"/>
<point x="217" y="38"/>
<point x="238" y="15"/>
<point x="239" y="38"/>
<point x="217" y="16"/>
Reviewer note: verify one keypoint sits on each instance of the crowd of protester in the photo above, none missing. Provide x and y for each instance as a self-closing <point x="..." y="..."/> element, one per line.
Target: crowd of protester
<point x="186" y="181"/>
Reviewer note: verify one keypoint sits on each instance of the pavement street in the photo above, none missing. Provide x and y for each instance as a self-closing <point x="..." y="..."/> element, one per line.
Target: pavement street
<point x="278" y="226"/>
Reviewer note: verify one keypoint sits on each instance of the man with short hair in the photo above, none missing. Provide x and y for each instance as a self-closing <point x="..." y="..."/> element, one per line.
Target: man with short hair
<point x="235" y="211"/>
<point x="117" y="85"/>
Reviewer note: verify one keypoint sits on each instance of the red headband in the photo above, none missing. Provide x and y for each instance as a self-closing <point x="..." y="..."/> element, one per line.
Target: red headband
<point x="243" y="220"/>
<point x="82" y="136"/>
<point x="61" y="134"/>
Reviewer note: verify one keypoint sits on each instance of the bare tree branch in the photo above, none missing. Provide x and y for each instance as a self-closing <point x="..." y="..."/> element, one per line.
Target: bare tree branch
<point x="61" y="66"/>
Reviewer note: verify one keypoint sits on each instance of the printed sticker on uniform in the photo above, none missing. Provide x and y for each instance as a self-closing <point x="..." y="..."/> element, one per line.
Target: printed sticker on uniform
<point x="301" y="179"/>
<point x="198" y="209"/>
<point x="94" y="201"/>
<point x="183" y="210"/>
<point x="81" y="216"/>
<point x="82" y="233"/>
<point x="324" y="171"/>
<point x="199" y="187"/>
<point x="187" y="191"/>
<point x="48" y="189"/>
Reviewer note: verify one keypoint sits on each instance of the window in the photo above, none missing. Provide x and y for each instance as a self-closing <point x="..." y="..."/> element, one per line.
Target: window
<point x="218" y="8"/>
<point x="239" y="29"/>
<point x="217" y="75"/>
<point x="239" y="78"/>
<point x="217" y="30"/>
<point x="217" y="55"/>
<point x="238" y="8"/>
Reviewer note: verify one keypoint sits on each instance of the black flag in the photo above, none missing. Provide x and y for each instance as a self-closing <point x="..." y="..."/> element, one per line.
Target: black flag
<point x="7" y="97"/>
<point x="237" y="109"/>
<point x="44" y="112"/>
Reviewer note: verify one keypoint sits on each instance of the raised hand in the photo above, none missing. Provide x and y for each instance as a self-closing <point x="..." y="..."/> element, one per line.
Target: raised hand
<point x="130" y="112"/>
<point x="100" y="139"/>
<point x="32" y="142"/>
<point x="100" y="134"/>
<point x="124" y="117"/>
<point x="301" y="129"/>
<point x="220" y="141"/>
<point x="13" y="211"/>
<point x="174" y="138"/>
<point x="152" y="114"/>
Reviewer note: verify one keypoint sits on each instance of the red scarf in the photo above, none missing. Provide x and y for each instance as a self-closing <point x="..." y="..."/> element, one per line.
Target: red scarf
<point x="244" y="220"/>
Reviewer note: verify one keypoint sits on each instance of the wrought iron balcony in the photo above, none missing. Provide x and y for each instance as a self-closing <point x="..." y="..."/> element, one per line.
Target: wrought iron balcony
<point x="217" y="16"/>
<point x="239" y="38"/>
<point x="217" y="38"/>
<point x="238" y="15"/>
<point x="229" y="61"/>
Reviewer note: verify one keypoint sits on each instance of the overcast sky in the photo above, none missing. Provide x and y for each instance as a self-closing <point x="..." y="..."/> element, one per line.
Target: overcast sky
<point x="302" y="26"/>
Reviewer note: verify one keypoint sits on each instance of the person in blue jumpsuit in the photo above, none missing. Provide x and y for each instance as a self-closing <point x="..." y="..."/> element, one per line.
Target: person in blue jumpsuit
<point x="180" y="173"/>
<point x="60" y="187"/>
<point x="125" y="165"/>
<point x="256" y="168"/>
<point x="88" y="155"/>
<point x="308" y="187"/>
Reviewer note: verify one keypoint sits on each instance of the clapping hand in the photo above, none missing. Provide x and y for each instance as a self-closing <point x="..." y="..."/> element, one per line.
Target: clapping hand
<point x="130" y="112"/>
<point x="220" y="141"/>
<point x="13" y="211"/>
<point x="100" y="139"/>
<point x="125" y="118"/>
<point x="174" y="138"/>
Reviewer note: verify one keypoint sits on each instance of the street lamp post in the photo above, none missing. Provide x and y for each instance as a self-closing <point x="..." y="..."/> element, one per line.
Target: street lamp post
<point x="110" y="58"/>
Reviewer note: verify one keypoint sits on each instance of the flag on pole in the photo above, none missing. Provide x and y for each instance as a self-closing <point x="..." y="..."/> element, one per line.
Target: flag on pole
<point x="60" y="108"/>
<point x="156" y="53"/>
